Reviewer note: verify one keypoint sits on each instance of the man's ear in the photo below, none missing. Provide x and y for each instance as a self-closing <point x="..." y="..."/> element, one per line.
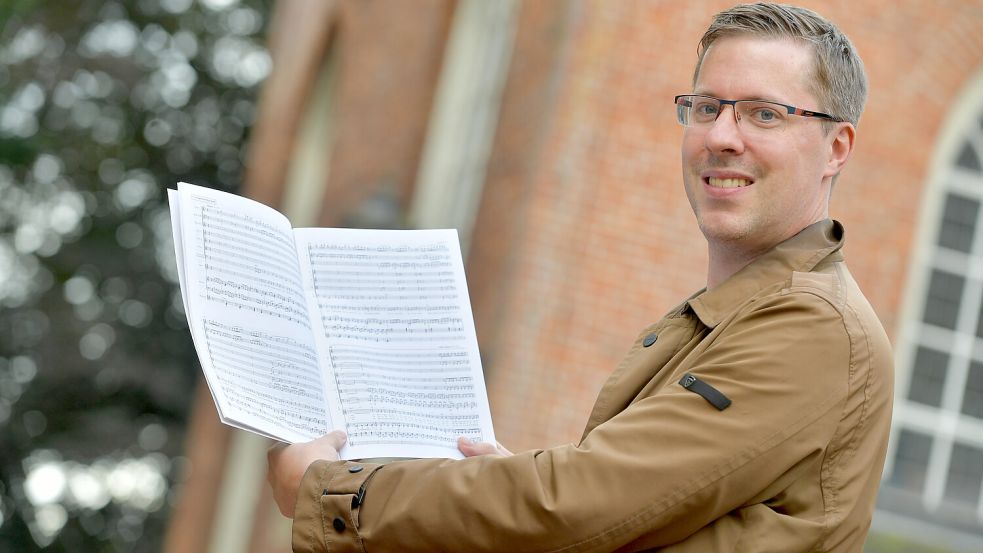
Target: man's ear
<point x="841" y="147"/>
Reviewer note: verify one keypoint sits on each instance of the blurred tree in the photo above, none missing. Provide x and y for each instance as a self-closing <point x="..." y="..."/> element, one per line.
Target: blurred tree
<point x="103" y="105"/>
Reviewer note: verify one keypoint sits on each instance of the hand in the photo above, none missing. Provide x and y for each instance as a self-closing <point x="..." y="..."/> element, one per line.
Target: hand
<point x="471" y="449"/>
<point x="288" y="463"/>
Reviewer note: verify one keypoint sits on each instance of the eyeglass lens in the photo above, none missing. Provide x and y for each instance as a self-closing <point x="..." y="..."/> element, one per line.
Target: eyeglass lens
<point x="703" y="110"/>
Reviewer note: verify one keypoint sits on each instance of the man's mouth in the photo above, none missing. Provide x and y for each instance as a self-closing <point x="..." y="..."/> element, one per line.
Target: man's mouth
<point x="727" y="183"/>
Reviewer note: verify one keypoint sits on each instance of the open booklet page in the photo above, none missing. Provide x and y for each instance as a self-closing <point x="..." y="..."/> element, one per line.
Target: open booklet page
<point x="394" y="328"/>
<point x="301" y="332"/>
<point x="248" y="315"/>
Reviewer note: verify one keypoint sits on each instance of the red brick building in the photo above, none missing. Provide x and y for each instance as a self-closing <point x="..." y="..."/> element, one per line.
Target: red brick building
<point x="544" y="131"/>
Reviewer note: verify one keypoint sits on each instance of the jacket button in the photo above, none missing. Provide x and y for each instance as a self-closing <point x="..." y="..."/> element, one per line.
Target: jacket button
<point x="355" y="468"/>
<point x="339" y="525"/>
<point x="650" y="339"/>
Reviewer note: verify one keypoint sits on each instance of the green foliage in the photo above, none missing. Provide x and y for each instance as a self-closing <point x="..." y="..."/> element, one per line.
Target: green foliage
<point x="104" y="105"/>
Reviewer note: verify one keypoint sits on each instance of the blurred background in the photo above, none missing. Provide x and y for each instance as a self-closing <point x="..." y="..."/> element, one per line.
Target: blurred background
<point x="542" y="130"/>
<point x="102" y="106"/>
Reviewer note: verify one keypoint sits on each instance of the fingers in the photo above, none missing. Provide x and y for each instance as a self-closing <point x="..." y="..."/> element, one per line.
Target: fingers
<point x="471" y="449"/>
<point x="280" y="477"/>
<point x="288" y="463"/>
<point x="335" y="439"/>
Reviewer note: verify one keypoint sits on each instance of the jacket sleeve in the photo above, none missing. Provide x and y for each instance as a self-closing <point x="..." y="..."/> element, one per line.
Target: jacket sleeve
<point x="667" y="465"/>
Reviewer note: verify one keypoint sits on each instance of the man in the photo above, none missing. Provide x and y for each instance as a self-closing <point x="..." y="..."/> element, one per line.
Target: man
<point x="753" y="417"/>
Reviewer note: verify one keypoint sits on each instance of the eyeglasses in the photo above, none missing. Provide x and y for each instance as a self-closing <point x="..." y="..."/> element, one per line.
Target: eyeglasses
<point x="696" y="110"/>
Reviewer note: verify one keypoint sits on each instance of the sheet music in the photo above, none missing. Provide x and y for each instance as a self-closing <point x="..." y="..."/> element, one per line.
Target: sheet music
<point x="300" y="332"/>
<point x="394" y="327"/>
<point x="248" y="315"/>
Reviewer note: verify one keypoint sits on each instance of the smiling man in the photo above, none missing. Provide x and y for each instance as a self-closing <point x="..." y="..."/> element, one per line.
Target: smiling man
<point x="752" y="417"/>
<point x="763" y="173"/>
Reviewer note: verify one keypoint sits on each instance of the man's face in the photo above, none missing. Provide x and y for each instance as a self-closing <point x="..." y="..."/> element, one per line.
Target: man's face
<point x="782" y="177"/>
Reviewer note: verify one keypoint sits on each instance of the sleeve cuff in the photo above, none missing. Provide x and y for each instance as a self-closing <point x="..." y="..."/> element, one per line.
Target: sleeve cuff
<point x="326" y="514"/>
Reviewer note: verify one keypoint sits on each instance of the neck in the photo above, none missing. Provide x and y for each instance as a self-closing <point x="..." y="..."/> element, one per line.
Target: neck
<point x="726" y="257"/>
<point x="724" y="260"/>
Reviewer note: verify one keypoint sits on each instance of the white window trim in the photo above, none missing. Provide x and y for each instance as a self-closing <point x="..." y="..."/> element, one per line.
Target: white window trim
<point x="307" y="175"/>
<point x="464" y="117"/>
<point x="962" y="344"/>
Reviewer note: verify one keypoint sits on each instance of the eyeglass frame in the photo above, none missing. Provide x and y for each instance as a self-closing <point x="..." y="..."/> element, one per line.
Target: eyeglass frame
<point x="792" y="110"/>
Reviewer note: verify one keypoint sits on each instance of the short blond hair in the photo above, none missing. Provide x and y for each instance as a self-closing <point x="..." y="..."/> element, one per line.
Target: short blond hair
<point x="839" y="79"/>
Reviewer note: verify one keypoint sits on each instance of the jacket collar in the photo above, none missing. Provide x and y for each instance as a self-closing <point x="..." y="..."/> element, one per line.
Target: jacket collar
<point x="801" y="252"/>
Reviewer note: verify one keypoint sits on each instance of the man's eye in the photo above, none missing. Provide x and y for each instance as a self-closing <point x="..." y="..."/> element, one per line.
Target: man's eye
<point x="706" y="109"/>
<point x="766" y="115"/>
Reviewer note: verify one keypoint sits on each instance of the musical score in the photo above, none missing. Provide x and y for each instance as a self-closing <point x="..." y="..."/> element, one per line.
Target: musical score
<point x="303" y="330"/>
<point x="249" y="265"/>
<point x="355" y="284"/>
<point x="405" y="395"/>
<point x="269" y="377"/>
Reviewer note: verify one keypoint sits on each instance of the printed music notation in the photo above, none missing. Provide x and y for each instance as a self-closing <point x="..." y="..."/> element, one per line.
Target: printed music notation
<point x="433" y="400"/>
<point x="300" y="331"/>
<point x="393" y="329"/>
<point x="329" y="246"/>
<point x="397" y="413"/>
<point x="400" y="309"/>
<point x="369" y="380"/>
<point x="257" y="305"/>
<point x="243" y="235"/>
<point x="417" y="266"/>
<point x="388" y="436"/>
<point x="235" y="221"/>
<point x="270" y="377"/>
<point x="415" y="281"/>
<point x="250" y="265"/>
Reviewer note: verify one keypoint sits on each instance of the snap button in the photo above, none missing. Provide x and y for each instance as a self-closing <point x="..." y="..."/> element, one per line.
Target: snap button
<point x="355" y="468"/>
<point x="650" y="339"/>
<point x="339" y="525"/>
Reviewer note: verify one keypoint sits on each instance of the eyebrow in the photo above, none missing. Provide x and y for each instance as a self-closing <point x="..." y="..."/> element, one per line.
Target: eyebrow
<point x="752" y="98"/>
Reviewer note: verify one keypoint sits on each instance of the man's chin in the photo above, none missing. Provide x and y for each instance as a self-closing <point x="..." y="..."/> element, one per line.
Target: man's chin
<point x="724" y="230"/>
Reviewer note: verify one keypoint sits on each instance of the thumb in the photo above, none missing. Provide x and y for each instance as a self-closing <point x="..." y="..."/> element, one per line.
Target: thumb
<point x="472" y="449"/>
<point x="335" y="439"/>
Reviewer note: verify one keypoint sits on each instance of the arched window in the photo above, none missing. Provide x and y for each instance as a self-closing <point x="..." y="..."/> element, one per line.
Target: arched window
<point x="465" y="116"/>
<point x="934" y="473"/>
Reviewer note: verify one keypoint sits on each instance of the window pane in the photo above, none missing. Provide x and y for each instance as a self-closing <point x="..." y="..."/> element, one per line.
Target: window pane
<point x="968" y="158"/>
<point x="911" y="460"/>
<point x="979" y="323"/>
<point x="958" y="222"/>
<point x="973" y="397"/>
<point x="928" y="376"/>
<point x="965" y="474"/>
<point x="944" y="294"/>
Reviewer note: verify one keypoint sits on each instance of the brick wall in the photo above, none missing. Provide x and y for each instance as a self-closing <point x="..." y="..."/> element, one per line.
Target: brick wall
<point x="585" y="236"/>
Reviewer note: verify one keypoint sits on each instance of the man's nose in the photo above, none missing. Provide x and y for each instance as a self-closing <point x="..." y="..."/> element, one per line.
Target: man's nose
<point x="724" y="134"/>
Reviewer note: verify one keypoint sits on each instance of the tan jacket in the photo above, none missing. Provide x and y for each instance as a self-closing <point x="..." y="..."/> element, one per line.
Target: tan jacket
<point x="791" y="464"/>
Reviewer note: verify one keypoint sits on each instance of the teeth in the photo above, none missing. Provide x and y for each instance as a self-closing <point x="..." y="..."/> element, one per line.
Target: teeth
<point x="727" y="183"/>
